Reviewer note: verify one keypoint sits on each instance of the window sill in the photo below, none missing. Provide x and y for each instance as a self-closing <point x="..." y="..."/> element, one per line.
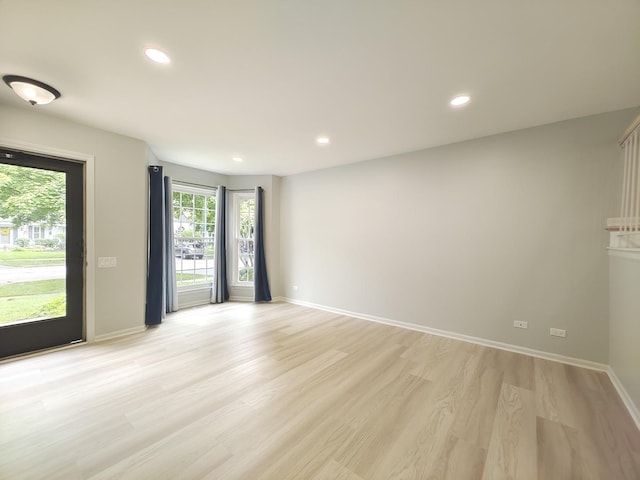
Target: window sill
<point x="194" y="288"/>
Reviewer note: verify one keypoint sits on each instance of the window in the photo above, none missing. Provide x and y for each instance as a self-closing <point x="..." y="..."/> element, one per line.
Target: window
<point x="36" y="232"/>
<point x="244" y="205"/>
<point x="194" y="219"/>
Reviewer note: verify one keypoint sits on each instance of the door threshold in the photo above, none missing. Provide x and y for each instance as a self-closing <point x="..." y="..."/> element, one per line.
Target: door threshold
<point x="44" y="351"/>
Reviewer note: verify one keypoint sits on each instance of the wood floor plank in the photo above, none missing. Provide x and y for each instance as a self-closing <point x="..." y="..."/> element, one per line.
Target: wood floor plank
<point x="460" y="460"/>
<point x="283" y="425"/>
<point x="332" y="470"/>
<point x="560" y="453"/>
<point x="279" y="391"/>
<point x="512" y="450"/>
<point x="424" y="433"/>
<point x="475" y="417"/>
<point x="369" y="449"/>
<point x="518" y="369"/>
<point x="608" y="437"/>
<point x="553" y="392"/>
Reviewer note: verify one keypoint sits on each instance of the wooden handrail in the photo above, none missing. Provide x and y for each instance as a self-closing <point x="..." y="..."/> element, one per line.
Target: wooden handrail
<point x="629" y="130"/>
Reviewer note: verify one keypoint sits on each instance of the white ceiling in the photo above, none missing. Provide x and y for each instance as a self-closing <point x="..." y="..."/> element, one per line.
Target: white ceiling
<point x="261" y="79"/>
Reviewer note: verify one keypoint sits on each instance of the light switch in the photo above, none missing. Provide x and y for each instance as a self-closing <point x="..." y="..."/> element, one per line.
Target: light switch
<point x="107" y="262"/>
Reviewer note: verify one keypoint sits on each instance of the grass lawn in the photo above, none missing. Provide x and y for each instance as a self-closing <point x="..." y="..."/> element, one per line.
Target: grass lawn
<point x="38" y="287"/>
<point x="30" y="258"/>
<point x="42" y="298"/>
<point x="183" y="279"/>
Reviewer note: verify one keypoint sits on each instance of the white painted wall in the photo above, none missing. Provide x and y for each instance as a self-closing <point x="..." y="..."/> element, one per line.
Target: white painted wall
<point x="120" y="207"/>
<point x="624" y="318"/>
<point x="467" y="237"/>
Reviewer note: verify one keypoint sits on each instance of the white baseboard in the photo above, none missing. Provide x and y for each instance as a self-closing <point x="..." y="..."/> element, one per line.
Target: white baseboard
<point x="578" y="362"/>
<point x="624" y="395"/>
<point x="120" y="333"/>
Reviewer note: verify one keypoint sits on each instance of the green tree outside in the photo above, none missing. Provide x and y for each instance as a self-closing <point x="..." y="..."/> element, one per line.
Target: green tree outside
<point x="195" y="213"/>
<point x="32" y="196"/>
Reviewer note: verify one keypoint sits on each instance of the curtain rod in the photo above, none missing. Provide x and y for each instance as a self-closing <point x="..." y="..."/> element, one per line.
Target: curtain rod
<point x="192" y="184"/>
<point x="213" y="186"/>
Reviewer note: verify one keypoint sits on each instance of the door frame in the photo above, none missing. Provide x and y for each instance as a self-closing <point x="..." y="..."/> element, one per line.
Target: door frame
<point x="89" y="314"/>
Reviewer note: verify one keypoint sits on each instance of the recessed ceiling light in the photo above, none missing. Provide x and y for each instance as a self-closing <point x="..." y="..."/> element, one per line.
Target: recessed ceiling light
<point x="322" y="140"/>
<point x="459" y="100"/>
<point x="157" y="56"/>
<point x="237" y="159"/>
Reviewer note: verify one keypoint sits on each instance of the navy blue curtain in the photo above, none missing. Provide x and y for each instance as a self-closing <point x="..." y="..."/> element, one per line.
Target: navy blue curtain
<point x="155" y="256"/>
<point x="220" y="288"/>
<point x="260" y="281"/>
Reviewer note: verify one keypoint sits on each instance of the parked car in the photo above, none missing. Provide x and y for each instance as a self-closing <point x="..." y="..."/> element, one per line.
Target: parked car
<point x="189" y="250"/>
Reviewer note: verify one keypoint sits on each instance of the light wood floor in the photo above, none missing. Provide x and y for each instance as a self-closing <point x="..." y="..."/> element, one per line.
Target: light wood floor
<point x="277" y="391"/>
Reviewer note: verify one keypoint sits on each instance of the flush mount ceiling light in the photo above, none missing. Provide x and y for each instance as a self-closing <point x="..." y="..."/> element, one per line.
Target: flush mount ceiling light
<point x="459" y="100"/>
<point x="33" y="91"/>
<point x="322" y="140"/>
<point x="157" y="56"/>
<point x="237" y="159"/>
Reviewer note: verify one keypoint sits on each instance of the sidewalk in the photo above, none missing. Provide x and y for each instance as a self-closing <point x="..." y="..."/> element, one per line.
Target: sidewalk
<point x="30" y="274"/>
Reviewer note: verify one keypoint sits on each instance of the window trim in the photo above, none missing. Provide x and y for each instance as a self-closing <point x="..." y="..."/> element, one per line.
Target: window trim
<point x="181" y="187"/>
<point x="178" y="186"/>
<point x="235" y="233"/>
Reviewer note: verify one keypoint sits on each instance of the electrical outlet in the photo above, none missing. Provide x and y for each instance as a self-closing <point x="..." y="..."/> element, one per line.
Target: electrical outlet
<point x="520" y="324"/>
<point x="558" y="332"/>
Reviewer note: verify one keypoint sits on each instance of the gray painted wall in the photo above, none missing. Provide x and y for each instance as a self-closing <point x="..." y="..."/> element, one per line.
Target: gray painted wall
<point x="625" y="322"/>
<point x="193" y="175"/>
<point x="467" y="237"/>
<point x="120" y="207"/>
